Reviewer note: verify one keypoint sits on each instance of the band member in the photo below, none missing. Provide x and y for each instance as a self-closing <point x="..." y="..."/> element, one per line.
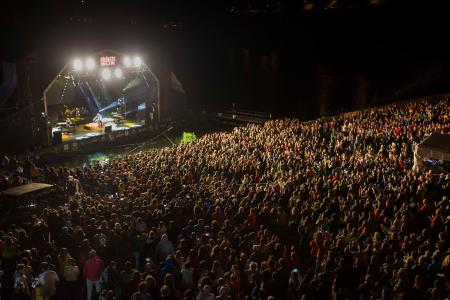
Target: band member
<point x="67" y="112"/>
<point x="99" y="119"/>
<point x="83" y="112"/>
<point x="121" y="108"/>
<point x="61" y="116"/>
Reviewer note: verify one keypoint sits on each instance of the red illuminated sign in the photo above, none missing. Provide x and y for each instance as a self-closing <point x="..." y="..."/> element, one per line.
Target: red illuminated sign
<point x="106" y="61"/>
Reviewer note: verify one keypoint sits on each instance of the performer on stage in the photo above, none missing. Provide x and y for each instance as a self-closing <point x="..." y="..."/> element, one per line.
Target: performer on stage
<point x="98" y="118"/>
<point x="121" y="108"/>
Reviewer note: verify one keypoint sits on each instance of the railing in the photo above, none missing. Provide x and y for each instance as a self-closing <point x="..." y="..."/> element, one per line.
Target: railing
<point x="239" y="116"/>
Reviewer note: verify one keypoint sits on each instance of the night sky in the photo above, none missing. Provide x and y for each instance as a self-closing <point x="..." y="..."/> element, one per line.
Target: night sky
<point x="285" y="57"/>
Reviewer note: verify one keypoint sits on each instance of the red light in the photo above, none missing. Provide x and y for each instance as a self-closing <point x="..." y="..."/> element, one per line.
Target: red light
<point x="106" y="61"/>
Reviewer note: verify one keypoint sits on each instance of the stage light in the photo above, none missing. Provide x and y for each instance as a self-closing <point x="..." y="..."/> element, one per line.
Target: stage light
<point x="127" y="61"/>
<point x="90" y="64"/>
<point x="137" y="61"/>
<point x="118" y="73"/>
<point x="77" y="64"/>
<point x="106" y="74"/>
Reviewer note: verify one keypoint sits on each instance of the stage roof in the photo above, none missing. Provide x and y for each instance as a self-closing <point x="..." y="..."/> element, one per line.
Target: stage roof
<point x="24" y="189"/>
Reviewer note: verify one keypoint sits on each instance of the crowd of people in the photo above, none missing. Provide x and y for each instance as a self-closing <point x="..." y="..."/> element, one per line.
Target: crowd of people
<point x="16" y="171"/>
<point x="328" y="209"/>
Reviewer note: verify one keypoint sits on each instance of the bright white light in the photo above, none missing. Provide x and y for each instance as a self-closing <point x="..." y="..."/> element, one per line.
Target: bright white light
<point x="137" y="61"/>
<point x="106" y="74"/>
<point x="90" y="64"/>
<point x="118" y="73"/>
<point x="77" y="64"/>
<point x="127" y="61"/>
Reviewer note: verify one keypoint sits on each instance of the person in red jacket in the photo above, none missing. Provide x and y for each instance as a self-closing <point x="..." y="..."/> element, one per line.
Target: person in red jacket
<point x="92" y="271"/>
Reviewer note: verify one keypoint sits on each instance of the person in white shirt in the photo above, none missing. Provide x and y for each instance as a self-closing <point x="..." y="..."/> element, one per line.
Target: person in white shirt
<point x="47" y="282"/>
<point x="71" y="273"/>
<point x="187" y="276"/>
<point x="99" y="120"/>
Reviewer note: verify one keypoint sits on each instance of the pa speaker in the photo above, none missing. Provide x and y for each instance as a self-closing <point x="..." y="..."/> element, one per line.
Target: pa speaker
<point x="57" y="138"/>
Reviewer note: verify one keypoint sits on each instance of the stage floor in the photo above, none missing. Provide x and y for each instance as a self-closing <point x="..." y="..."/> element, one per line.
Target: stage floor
<point x="81" y="132"/>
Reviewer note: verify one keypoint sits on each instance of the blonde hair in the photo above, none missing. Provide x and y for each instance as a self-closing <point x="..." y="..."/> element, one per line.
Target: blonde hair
<point x="446" y="261"/>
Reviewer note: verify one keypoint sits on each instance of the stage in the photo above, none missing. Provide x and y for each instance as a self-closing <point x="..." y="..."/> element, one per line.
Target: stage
<point x="87" y="130"/>
<point x="101" y="99"/>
